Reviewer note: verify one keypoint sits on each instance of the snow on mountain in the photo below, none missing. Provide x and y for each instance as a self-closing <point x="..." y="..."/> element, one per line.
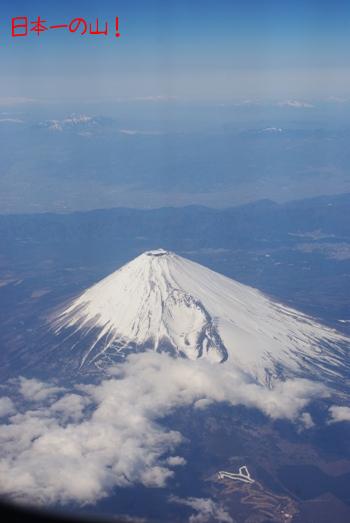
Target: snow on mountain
<point x="69" y="122"/>
<point x="162" y="301"/>
<point x="75" y="122"/>
<point x="295" y="104"/>
<point x="272" y="130"/>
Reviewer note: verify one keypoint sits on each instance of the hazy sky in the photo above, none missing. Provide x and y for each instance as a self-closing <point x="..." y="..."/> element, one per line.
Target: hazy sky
<point x="210" y="49"/>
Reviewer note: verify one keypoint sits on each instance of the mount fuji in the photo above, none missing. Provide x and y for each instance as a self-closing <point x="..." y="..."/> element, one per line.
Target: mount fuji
<point x="163" y="302"/>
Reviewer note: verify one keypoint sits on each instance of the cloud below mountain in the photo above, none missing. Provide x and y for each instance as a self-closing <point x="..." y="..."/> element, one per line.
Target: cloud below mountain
<point x="78" y="445"/>
<point x="205" y="510"/>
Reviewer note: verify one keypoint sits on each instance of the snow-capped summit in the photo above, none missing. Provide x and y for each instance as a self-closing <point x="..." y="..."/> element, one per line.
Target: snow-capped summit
<point x="76" y="123"/>
<point x="162" y="301"/>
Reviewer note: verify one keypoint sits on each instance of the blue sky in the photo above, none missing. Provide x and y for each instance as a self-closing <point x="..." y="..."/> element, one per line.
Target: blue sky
<point x="191" y="49"/>
<point x="288" y="59"/>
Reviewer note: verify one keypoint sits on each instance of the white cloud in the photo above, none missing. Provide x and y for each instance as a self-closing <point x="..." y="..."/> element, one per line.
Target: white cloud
<point x="35" y="390"/>
<point x="176" y="461"/>
<point x="70" y="406"/>
<point x="247" y="101"/>
<point x="206" y="510"/>
<point x="339" y="414"/>
<point x="79" y="445"/>
<point x="307" y="420"/>
<point x="6" y="406"/>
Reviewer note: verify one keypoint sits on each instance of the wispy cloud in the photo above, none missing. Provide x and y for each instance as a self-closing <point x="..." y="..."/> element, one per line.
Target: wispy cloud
<point x="154" y="98"/>
<point x="11" y="120"/>
<point x="206" y="510"/>
<point x="133" y="132"/>
<point x="338" y="99"/>
<point x="296" y="104"/>
<point x="8" y="101"/>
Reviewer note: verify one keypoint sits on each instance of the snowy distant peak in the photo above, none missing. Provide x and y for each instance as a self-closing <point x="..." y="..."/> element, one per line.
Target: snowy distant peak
<point x="272" y="130"/>
<point x="71" y="121"/>
<point x="297" y="104"/>
<point x="77" y="119"/>
<point x="161" y="301"/>
<point x="75" y="122"/>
